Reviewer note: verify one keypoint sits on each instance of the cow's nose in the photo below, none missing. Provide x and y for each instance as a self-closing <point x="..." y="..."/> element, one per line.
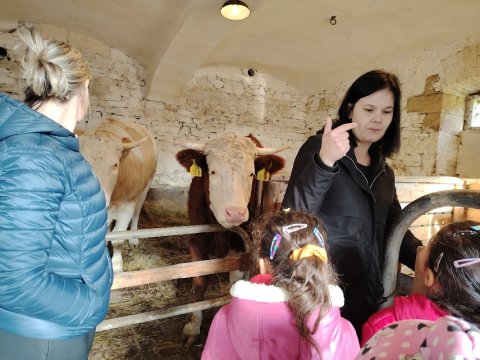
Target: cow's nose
<point x="235" y="214"/>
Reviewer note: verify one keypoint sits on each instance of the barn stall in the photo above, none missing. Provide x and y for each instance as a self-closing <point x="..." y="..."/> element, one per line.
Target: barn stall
<point x="250" y="94"/>
<point x="161" y="337"/>
<point x="145" y="304"/>
<point x="156" y="339"/>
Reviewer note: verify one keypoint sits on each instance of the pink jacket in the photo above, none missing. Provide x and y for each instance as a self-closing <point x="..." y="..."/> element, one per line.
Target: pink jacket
<point x="258" y="324"/>
<point x="415" y="306"/>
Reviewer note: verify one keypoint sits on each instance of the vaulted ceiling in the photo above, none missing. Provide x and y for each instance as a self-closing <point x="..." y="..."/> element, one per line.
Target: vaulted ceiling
<point x="292" y="40"/>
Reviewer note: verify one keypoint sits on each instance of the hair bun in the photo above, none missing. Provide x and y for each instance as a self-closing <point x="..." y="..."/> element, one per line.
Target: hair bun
<point x="51" y="68"/>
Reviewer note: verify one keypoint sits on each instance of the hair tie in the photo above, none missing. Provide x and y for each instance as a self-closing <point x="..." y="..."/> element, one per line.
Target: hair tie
<point x="309" y="250"/>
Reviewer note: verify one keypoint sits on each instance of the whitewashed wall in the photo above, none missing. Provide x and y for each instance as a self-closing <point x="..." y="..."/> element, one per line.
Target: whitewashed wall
<point x="117" y="84"/>
<point x="218" y="99"/>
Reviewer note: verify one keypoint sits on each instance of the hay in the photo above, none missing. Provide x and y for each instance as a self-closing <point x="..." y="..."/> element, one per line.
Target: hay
<point x="161" y="338"/>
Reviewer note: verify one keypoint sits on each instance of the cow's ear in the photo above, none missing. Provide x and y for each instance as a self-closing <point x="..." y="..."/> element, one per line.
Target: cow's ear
<point x="187" y="157"/>
<point x="255" y="140"/>
<point x="271" y="163"/>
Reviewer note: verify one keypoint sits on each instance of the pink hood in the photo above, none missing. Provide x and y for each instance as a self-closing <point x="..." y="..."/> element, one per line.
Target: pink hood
<point x="415" y="306"/>
<point x="259" y="324"/>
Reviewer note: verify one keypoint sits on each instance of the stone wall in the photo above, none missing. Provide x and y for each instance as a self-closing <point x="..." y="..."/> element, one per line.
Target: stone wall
<point x="220" y="99"/>
<point x="435" y="83"/>
<point x="117" y="84"/>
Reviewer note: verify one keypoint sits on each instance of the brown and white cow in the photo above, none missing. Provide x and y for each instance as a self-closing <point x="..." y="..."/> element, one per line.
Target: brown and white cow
<point x="222" y="192"/>
<point x="123" y="155"/>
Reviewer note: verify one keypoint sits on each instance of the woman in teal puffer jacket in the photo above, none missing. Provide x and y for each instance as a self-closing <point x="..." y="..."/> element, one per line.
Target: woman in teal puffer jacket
<point x="55" y="271"/>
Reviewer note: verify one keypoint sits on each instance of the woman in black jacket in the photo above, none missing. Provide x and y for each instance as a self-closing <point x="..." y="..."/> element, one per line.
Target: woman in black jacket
<point x="341" y="175"/>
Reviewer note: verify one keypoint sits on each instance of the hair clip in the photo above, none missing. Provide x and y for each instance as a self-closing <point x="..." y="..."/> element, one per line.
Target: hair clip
<point x="475" y="227"/>
<point x="465" y="232"/>
<point x="274" y="245"/>
<point x="319" y="236"/>
<point x="437" y="262"/>
<point x="466" y="262"/>
<point x="293" y="227"/>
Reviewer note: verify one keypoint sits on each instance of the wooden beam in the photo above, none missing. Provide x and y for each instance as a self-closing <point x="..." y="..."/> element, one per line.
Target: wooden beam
<point x="161" y="314"/>
<point x="181" y="271"/>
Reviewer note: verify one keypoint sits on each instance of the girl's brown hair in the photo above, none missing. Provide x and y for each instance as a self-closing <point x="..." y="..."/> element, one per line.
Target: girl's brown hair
<point x="458" y="288"/>
<point x="307" y="279"/>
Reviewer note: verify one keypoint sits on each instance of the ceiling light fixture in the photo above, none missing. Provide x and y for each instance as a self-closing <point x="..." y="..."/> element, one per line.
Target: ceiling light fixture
<point x="235" y="10"/>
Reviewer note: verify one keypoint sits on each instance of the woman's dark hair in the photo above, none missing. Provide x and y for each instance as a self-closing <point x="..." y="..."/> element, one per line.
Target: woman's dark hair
<point x="306" y="279"/>
<point x="458" y="289"/>
<point x="366" y="85"/>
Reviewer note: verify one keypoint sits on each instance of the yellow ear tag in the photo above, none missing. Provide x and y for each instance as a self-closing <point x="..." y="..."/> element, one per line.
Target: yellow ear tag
<point x="195" y="170"/>
<point x="263" y="175"/>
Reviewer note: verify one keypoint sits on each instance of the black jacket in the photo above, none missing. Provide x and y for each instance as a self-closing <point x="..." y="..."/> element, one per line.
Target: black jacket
<point x="357" y="214"/>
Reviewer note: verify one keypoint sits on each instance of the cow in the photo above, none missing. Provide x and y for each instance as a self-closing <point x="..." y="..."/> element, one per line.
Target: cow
<point x="222" y="192"/>
<point x="123" y="155"/>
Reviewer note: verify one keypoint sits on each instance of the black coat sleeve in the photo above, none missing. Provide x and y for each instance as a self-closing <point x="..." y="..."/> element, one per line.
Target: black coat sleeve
<point x="310" y="179"/>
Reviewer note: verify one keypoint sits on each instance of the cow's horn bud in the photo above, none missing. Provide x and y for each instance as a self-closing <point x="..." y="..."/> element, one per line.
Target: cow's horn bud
<point x="191" y="145"/>
<point x="270" y="151"/>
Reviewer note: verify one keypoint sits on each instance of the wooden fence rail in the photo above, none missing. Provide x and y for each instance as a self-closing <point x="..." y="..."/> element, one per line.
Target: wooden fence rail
<point x="178" y="271"/>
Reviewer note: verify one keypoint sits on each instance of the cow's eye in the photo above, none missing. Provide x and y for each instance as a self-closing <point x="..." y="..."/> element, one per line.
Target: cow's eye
<point x="212" y="172"/>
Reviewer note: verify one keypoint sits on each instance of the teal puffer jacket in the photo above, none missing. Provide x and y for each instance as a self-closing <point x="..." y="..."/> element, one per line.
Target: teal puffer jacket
<point x="55" y="270"/>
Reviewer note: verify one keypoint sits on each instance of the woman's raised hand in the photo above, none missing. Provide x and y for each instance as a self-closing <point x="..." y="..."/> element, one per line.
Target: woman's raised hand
<point x="335" y="143"/>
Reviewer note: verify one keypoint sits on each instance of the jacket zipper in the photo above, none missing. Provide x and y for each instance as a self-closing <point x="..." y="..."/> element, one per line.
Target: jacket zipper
<point x="374" y="179"/>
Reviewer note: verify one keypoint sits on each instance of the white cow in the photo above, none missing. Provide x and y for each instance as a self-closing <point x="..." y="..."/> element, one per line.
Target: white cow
<point x="123" y="155"/>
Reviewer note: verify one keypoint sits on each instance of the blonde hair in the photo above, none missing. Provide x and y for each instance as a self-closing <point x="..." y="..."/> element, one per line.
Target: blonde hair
<point x="51" y="69"/>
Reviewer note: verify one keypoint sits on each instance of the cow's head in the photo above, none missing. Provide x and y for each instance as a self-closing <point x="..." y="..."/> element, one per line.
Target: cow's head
<point x="229" y="165"/>
<point x="104" y="153"/>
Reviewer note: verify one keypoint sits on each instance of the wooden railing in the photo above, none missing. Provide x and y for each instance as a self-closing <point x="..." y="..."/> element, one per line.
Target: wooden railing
<point x="178" y="271"/>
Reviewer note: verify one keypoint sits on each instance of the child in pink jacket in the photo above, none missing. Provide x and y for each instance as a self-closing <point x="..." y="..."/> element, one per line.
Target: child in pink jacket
<point x="450" y="268"/>
<point x="291" y="310"/>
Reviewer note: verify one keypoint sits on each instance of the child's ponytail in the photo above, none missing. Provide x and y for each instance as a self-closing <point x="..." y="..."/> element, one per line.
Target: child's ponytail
<point x="295" y="244"/>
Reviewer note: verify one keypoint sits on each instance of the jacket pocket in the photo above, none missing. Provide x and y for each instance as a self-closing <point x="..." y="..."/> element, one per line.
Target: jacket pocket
<point x="341" y="207"/>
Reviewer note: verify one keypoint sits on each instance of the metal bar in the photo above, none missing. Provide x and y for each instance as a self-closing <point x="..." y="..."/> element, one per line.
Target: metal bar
<point x="259" y="194"/>
<point x="161" y="314"/>
<point x="462" y="198"/>
<point x="119" y="236"/>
